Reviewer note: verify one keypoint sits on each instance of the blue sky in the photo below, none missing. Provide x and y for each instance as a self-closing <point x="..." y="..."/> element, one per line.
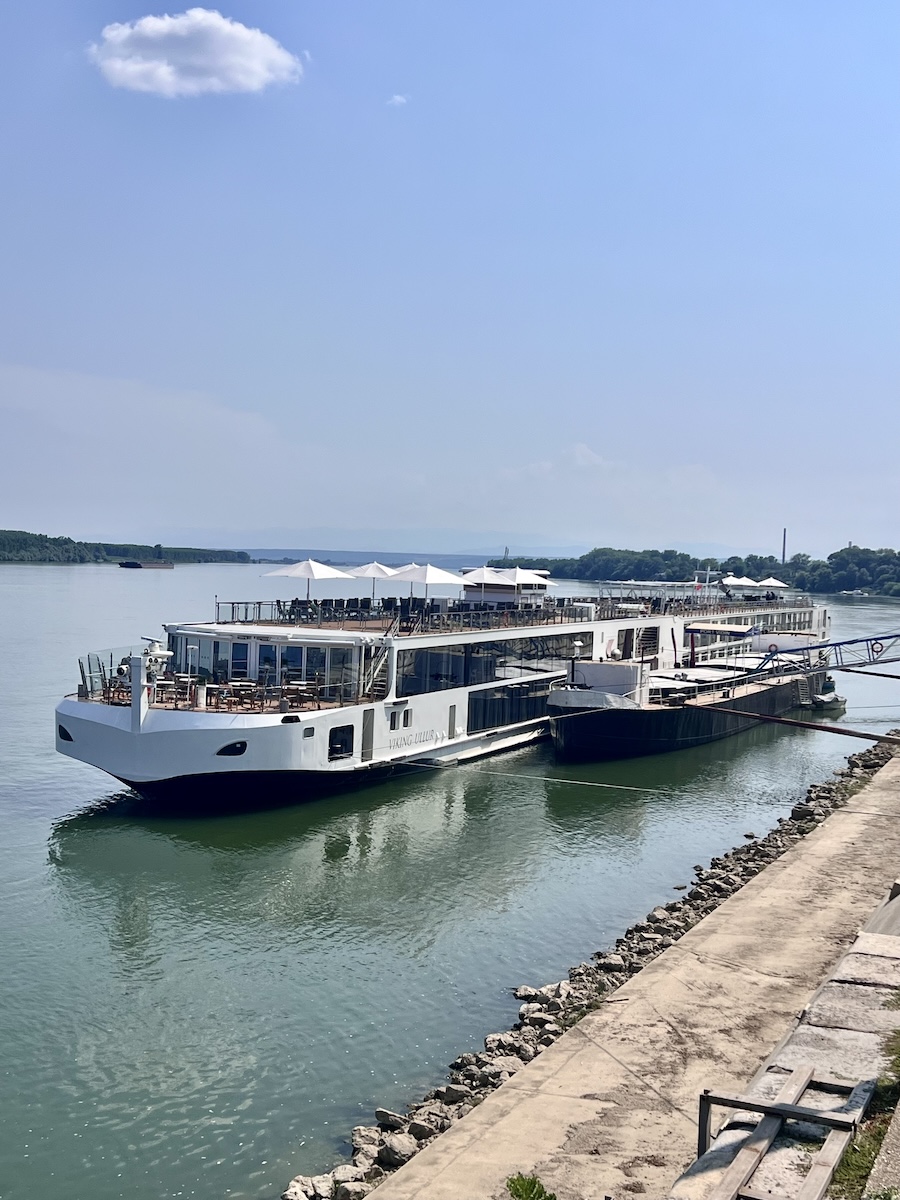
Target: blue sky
<point x="611" y="273"/>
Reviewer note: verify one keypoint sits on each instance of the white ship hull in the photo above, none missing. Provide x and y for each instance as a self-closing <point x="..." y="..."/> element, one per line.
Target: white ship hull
<point x="179" y="752"/>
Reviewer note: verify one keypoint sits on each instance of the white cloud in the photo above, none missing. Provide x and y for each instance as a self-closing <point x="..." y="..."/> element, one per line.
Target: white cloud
<point x="191" y="53"/>
<point x="398" y="101"/>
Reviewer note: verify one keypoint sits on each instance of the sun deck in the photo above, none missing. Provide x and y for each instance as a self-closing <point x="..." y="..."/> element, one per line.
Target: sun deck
<point x="416" y="616"/>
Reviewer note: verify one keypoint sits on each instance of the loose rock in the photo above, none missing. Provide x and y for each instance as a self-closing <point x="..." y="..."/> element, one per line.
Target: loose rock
<point x="397" y="1149"/>
<point x="390" y="1120"/>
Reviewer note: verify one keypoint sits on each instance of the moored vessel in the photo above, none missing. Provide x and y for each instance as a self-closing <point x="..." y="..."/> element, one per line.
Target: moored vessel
<point x="645" y="712"/>
<point x="300" y="697"/>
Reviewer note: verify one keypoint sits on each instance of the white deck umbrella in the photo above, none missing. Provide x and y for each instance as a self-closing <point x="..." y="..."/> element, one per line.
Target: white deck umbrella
<point x="519" y="575"/>
<point x="772" y="582"/>
<point x="426" y="574"/>
<point x="310" y="569"/>
<point x="744" y="581"/>
<point x="373" y="571"/>
<point x="485" y="575"/>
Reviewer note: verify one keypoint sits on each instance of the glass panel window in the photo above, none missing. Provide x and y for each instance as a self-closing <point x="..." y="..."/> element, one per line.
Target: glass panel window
<point x="492" y="708"/>
<point x="239" y="659"/>
<point x="407" y="718"/>
<point x="267" y="672"/>
<point x="395" y="717"/>
<point x="206" y="658"/>
<point x="339" y="670"/>
<point x="291" y="663"/>
<point x="437" y="668"/>
<point x="191" y="656"/>
<point x="315" y="664"/>
<point x="220" y="662"/>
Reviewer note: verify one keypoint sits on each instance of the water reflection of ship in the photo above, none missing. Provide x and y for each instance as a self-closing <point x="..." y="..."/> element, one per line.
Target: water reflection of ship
<point x="664" y="778"/>
<point x="439" y="844"/>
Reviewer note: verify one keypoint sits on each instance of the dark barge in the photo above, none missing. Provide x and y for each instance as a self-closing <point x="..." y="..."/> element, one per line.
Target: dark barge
<point x="661" y="713"/>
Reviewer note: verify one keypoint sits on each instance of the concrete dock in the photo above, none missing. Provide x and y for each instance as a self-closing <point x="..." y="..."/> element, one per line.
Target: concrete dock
<point x="611" y="1108"/>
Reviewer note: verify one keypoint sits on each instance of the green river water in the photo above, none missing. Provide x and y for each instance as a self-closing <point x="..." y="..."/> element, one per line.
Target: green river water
<point x="205" y="1007"/>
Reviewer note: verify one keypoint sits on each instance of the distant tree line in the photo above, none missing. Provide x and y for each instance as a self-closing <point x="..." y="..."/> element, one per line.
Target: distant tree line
<point x="18" y="546"/>
<point x="875" y="571"/>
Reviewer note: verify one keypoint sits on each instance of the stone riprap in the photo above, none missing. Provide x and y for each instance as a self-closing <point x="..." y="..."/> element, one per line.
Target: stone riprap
<point x="546" y="1012"/>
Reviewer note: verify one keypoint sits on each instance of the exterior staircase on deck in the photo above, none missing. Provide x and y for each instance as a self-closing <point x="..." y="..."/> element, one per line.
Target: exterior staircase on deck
<point x="378" y="687"/>
<point x="802" y="692"/>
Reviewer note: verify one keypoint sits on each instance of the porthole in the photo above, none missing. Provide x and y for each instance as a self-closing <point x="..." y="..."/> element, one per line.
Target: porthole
<point x="290" y="719"/>
<point x="309" y="731"/>
<point x="232" y="750"/>
<point x="64" y="735"/>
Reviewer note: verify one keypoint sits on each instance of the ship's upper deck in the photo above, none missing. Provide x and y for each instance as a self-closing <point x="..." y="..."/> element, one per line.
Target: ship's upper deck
<point x="415" y="616"/>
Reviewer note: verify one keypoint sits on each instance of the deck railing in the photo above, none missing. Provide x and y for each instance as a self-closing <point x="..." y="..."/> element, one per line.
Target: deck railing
<point x="421" y="616"/>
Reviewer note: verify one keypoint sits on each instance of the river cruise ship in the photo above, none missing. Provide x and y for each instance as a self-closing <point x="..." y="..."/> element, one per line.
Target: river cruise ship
<point x="301" y="697"/>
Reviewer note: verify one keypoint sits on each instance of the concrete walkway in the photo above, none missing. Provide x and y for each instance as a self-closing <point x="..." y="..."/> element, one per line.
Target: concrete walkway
<point x="841" y="1035"/>
<point x="611" y="1108"/>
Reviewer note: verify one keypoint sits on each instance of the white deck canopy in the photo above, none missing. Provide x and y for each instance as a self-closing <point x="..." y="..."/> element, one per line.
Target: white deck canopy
<point x="485" y="576"/>
<point x="519" y="575"/>
<point x="741" y="581"/>
<point x="428" y="575"/>
<point x="310" y="569"/>
<point x="373" y="570"/>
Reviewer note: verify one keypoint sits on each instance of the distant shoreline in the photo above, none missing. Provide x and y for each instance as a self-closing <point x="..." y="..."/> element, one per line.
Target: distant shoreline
<point x="18" y="546"/>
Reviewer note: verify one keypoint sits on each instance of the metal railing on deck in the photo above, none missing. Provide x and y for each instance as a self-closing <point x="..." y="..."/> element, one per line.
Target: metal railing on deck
<point x="419" y="616"/>
<point x="99" y="670"/>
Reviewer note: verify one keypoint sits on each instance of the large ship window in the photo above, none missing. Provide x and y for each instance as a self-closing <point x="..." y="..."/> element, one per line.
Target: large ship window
<point x="437" y="668"/>
<point x="493" y="708"/>
<point x="340" y="673"/>
<point x="205" y="669"/>
<point x="291" y="663"/>
<point x="340" y="742"/>
<point x="240" y="652"/>
<point x="267" y="672"/>
<point x="315" y="664"/>
<point x="220" y="662"/>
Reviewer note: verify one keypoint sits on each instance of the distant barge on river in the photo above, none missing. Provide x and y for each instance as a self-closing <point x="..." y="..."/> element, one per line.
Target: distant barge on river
<point x="151" y="564"/>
